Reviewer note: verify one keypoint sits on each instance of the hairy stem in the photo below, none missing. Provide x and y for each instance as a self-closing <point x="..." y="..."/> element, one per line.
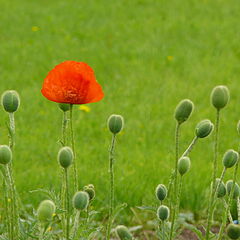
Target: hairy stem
<point x="76" y="224"/>
<point x="67" y="207"/>
<point x="175" y="179"/>
<point x="12" y="187"/>
<point x="73" y="148"/>
<point x="111" y="171"/>
<point x="215" y="165"/>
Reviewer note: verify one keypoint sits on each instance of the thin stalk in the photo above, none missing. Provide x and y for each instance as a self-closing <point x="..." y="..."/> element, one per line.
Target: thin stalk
<point x="67" y="216"/>
<point x="215" y="166"/>
<point x="64" y="143"/>
<point x="190" y="147"/>
<point x="238" y="208"/>
<point x="179" y="195"/>
<point x="229" y="213"/>
<point x="64" y="128"/>
<point x="163" y="230"/>
<point x="111" y="172"/>
<point x="10" y="201"/>
<point x="175" y="177"/>
<point x="229" y="202"/>
<point x="76" y="224"/>
<point x="63" y="200"/>
<point x="73" y="148"/>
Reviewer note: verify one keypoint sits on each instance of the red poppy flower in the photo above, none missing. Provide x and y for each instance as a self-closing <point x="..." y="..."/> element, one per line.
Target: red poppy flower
<point x="72" y="82"/>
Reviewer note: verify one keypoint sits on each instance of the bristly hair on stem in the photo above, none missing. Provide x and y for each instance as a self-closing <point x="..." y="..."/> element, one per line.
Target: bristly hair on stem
<point x="175" y="179"/>
<point x="73" y="148"/>
<point x="215" y="165"/>
<point x="111" y="171"/>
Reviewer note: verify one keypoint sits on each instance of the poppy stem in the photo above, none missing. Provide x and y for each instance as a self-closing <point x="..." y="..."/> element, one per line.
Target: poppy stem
<point x="111" y="171"/>
<point x="175" y="177"/>
<point x="67" y="217"/>
<point x="73" y="148"/>
<point x="12" y="187"/>
<point x="210" y="204"/>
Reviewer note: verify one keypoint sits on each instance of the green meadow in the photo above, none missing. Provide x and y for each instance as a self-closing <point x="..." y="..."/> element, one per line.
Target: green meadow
<point x="147" y="55"/>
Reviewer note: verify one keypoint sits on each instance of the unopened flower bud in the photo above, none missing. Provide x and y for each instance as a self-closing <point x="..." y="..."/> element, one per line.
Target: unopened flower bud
<point x="183" y="110"/>
<point x="64" y="106"/>
<point x="10" y="101"/>
<point x="204" y="128"/>
<point x="115" y="123"/>
<point x="65" y="157"/>
<point x="5" y="154"/>
<point x="221" y="190"/>
<point x="161" y="192"/>
<point x="46" y="210"/>
<point x="220" y="97"/>
<point x="184" y="164"/>
<point x="123" y="233"/>
<point x="233" y="231"/>
<point x="90" y="191"/>
<point x="230" y="158"/>
<point x="236" y="191"/>
<point x="80" y="200"/>
<point x="163" y="213"/>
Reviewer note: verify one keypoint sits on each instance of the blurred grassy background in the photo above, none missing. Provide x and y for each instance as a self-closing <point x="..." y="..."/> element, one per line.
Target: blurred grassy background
<point x="147" y="55"/>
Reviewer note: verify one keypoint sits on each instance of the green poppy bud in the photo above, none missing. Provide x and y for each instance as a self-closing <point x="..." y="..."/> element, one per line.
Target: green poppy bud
<point x="183" y="110"/>
<point x="10" y="101"/>
<point x="123" y="233"/>
<point x="64" y="106"/>
<point x="90" y="191"/>
<point x="163" y="213"/>
<point x="221" y="191"/>
<point x="238" y="127"/>
<point x="184" y="164"/>
<point x="46" y="210"/>
<point x="204" y="128"/>
<point x="233" y="231"/>
<point x="65" y="157"/>
<point x="161" y="192"/>
<point x="230" y="158"/>
<point x="236" y="191"/>
<point x="115" y="123"/>
<point x="220" y="97"/>
<point x="5" y="154"/>
<point x="80" y="200"/>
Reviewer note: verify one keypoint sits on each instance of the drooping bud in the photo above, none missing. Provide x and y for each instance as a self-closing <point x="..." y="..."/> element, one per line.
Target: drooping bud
<point x="184" y="164"/>
<point x="220" y="97"/>
<point x="89" y="189"/>
<point x="10" y="101"/>
<point x="5" y="154"/>
<point x="65" y="157"/>
<point x="204" y="128"/>
<point x="221" y="191"/>
<point x="123" y="233"/>
<point x="236" y="191"/>
<point x="80" y="200"/>
<point x="161" y="192"/>
<point x="115" y="123"/>
<point x="46" y="210"/>
<point x="64" y="106"/>
<point x="183" y="110"/>
<point x="233" y="231"/>
<point x="230" y="158"/>
<point x="163" y="213"/>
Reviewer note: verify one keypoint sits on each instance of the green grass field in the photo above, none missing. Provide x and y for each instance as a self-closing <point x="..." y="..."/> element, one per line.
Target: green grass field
<point x="147" y="55"/>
